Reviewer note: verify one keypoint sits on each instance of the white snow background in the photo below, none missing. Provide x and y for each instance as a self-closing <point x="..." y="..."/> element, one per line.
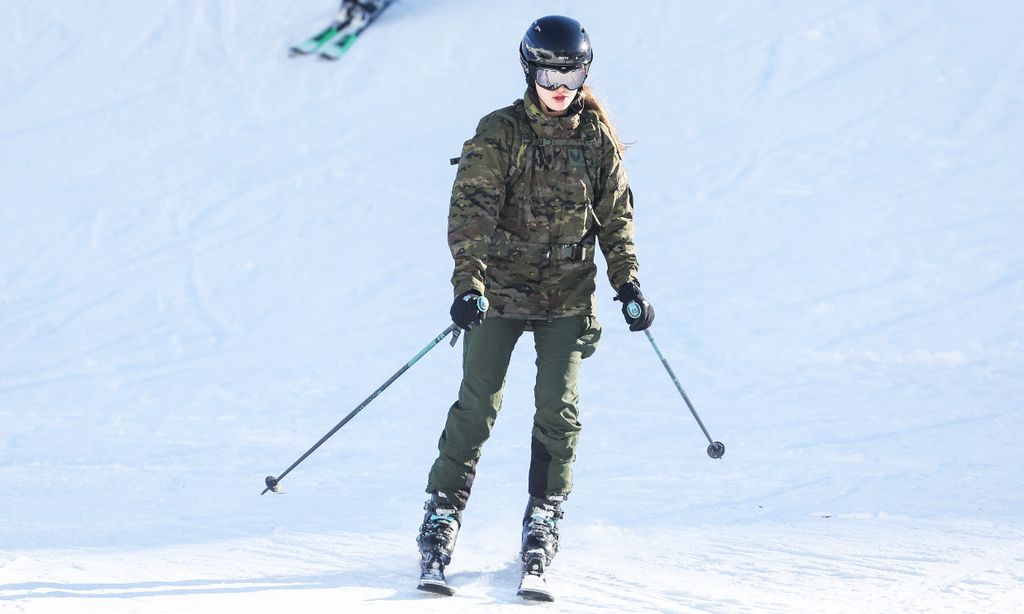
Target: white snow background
<point x="210" y="253"/>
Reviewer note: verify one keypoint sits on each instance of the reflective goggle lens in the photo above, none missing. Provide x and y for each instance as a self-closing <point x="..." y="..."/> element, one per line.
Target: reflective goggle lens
<point x="554" y="78"/>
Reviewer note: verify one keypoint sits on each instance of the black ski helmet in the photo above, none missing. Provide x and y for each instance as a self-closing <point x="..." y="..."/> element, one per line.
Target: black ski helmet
<point x="555" y="42"/>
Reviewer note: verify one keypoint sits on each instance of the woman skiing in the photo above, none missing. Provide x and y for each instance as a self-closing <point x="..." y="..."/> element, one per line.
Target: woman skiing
<point x="538" y="186"/>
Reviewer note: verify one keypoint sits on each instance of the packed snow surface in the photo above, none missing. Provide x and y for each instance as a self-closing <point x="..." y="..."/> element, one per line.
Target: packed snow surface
<point x="210" y="253"/>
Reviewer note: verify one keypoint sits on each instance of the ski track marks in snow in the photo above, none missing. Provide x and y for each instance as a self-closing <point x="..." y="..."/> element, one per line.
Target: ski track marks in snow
<point x="880" y="564"/>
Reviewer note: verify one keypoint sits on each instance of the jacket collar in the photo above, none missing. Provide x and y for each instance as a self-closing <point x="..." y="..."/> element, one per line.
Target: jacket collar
<point x="551" y="127"/>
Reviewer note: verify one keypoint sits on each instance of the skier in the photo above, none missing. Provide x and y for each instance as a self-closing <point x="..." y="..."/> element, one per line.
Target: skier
<point x="537" y="187"/>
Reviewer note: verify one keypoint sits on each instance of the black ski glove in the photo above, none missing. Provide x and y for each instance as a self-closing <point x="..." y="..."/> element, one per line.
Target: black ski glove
<point x="630" y="293"/>
<point x="465" y="313"/>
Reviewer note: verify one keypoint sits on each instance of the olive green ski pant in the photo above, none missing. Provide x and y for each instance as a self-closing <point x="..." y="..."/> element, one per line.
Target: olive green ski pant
<point x="561" y="346"/>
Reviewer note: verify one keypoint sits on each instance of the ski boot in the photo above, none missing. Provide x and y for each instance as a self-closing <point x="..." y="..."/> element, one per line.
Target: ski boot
<point x="540" y="543"/>
<point x="436" y="542"/>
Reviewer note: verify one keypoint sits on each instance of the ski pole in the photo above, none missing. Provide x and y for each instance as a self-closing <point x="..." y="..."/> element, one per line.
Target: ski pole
<point x="716" y="449"/>
<point x="273" y="483"/>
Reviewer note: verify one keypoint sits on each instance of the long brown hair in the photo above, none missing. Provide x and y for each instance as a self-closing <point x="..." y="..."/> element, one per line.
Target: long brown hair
<point x="593" y="103"/>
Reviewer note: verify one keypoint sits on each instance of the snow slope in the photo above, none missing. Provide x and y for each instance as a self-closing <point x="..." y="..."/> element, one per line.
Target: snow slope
<point x="210" y="253"/>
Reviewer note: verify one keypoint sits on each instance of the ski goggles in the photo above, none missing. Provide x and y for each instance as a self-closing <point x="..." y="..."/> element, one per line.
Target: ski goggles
<point x="554" y="78"/>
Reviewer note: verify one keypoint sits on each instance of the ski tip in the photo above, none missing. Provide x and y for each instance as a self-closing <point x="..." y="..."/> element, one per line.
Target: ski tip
<point x="436" y="588"/>
<point x="533" y="586"/>
<point x="532" y="595"/>
<point x="331" y="56"/>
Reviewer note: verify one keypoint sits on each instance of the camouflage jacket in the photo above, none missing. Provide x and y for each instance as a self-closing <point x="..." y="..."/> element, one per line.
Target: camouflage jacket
<point x="531" y="197"/>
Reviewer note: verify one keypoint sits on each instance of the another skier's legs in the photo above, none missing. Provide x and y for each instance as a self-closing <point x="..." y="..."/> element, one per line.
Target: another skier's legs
<point x="358" y="11"/>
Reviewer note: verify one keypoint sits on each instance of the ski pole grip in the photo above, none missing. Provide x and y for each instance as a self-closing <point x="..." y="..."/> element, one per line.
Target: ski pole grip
<point x="633" y="310"/>
<point x="482" y="304"/>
